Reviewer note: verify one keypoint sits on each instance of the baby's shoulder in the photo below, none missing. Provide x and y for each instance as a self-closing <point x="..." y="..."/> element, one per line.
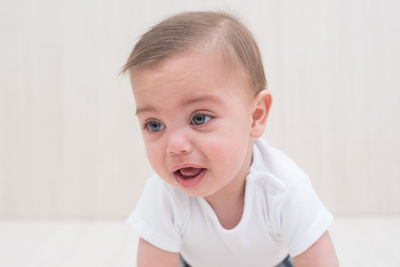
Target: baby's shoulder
<point x="274" y="173"/>
<point x="160" y="189"/>
<point x="163" y="201"/>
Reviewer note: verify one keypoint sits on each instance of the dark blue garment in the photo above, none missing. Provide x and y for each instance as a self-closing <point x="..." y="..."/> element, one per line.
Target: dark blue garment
<point x="287" y="262"/>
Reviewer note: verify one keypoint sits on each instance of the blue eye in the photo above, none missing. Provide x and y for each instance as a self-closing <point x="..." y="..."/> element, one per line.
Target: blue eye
<point x="199" y="119"/>
<point x="154" y="126"/>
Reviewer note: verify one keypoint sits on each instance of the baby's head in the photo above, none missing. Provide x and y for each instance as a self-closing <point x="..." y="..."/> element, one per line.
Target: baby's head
<point x="232" y="41"/>
<point x="199" y="87"/>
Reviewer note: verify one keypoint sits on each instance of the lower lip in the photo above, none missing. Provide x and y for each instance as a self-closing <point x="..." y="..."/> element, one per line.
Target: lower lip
<point x="192" y="182"/>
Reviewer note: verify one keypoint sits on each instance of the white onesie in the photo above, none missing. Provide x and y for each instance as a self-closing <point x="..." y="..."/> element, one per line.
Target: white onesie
<point x="282" y="215"/>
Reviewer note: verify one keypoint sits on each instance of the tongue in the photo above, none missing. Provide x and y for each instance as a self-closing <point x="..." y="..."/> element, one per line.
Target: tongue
<point x="190" y="172"/>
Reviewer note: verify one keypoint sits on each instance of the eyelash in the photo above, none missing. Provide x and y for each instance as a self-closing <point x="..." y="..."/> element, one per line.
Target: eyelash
<point x="147" y="126"/>
<point x="202" y="114"/>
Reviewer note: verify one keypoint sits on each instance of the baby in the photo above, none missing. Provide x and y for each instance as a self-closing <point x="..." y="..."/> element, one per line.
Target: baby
<point x="221" y="196"/>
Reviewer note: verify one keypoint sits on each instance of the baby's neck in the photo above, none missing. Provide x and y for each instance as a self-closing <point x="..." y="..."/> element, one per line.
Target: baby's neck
<point x="228" y="203"/>
<point x="229" y="210"/>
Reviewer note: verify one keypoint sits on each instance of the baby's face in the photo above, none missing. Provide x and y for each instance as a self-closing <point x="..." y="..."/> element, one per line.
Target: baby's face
<point x="195" y="114"/>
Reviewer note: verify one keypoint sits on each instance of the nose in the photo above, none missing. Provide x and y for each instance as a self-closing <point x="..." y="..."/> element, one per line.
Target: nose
<point x="178" y="144"/>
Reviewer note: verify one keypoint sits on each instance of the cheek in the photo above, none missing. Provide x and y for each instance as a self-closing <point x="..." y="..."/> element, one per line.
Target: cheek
<point x="154" y="154"/>
<point x="229" y="149"/>
<point x="228" y="162"/>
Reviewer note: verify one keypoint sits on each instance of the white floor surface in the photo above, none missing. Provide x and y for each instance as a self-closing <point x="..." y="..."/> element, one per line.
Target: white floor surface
<point x="359" y="241"/>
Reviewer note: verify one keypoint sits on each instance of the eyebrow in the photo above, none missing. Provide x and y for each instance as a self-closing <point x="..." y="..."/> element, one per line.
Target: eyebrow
<point x="202" y="98"/>
<point x="144" y="109"/>
<point x="189" y="101"/>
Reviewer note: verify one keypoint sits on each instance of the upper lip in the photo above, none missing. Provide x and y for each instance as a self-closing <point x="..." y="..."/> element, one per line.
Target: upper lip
<point x="185" y="165"/>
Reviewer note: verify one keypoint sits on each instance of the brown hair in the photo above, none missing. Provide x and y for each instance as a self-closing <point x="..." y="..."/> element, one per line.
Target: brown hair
<point x="185" y="30"/>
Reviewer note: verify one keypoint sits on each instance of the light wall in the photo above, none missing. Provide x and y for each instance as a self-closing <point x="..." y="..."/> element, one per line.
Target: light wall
<point x="70" y="146"/>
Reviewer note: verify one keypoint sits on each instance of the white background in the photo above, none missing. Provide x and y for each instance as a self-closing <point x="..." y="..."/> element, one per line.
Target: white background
<point x="70" y="146"/>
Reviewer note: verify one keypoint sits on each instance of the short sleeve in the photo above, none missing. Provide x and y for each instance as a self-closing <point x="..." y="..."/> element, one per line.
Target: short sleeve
<point x="303" y="218"/>
<point x="157" y="217"/>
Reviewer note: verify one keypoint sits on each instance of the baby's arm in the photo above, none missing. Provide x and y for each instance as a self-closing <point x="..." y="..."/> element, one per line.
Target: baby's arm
<point x="320" y="254"/>
<point x="151" y="256"/>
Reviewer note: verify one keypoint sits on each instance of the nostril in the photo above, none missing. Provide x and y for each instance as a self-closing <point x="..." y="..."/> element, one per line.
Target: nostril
<point x="176" y="152"/>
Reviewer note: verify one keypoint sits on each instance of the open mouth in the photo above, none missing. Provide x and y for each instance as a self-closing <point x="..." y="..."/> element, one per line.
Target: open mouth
<point x="188" y="173"/>
<point x="189" y="177"/>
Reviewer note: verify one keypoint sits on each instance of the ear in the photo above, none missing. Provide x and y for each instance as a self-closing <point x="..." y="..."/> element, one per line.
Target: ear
<point x="261" y="106"/>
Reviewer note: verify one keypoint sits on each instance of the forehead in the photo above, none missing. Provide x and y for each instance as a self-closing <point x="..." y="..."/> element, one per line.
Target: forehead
<point x="195" y="74"/>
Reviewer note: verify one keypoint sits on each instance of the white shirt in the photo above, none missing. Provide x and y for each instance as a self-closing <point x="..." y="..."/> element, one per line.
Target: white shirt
<point x="282" y="215"/>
